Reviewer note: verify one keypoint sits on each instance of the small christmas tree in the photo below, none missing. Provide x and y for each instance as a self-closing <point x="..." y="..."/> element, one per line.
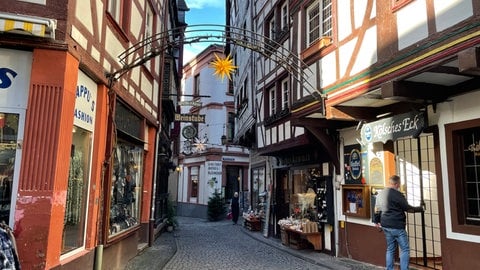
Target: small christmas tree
<point x="216" y="207"/>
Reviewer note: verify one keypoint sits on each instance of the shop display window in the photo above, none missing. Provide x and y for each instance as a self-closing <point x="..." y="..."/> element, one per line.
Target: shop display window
<point x="126" y="186"/>
<point x="356" y="200"/>
<point x="77" y="190"/>
<point x="8" y="139"/>
<point x="258" y="190"/>
<point x="302" y="203"/>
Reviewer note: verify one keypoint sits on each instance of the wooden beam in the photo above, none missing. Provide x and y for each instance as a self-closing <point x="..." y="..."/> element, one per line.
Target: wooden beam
<point x="414" y="91"/>
<point x="349" y="113"/>
<point x="469" y="61"/>
<point x="328" y="143"/>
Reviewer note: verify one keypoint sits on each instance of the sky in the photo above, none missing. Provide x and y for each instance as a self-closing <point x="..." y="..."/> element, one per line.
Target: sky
<point x="202" y="12"/>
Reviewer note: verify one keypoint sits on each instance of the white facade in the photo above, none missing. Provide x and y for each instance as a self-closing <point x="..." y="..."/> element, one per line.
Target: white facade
<point x="204" y="158"/>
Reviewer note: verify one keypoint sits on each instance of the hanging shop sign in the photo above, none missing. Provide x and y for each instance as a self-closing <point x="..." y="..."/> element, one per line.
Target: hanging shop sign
<point x="399" y="126"/>
<point x="192" y="118"/>
<point x="190" y="103"/>
<point x="295" y="159"/>
<point x="189" y="132"/>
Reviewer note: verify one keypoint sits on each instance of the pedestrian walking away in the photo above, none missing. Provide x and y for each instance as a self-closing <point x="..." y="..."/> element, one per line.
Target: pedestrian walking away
<point x="390" y="216"/>
<point x="235" y="208"/>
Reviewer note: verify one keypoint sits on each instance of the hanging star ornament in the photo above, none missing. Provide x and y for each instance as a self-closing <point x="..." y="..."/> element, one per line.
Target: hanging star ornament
<point x="200" y="144"/>
<point x="223" y="67"/>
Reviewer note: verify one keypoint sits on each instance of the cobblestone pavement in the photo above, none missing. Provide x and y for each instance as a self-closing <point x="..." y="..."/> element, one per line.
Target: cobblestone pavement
<point x="220" y="245"/>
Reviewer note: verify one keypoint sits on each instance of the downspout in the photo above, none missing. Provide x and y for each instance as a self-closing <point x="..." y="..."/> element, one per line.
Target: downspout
<point x="111" y="99"/>
<point x="336" y="186"/>
<point x="151" y="225"/>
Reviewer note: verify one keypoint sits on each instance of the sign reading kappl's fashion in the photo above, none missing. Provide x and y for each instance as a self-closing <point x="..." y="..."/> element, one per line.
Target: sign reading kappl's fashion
<point x="86" y="96"/>
<point x="399" y="126"/>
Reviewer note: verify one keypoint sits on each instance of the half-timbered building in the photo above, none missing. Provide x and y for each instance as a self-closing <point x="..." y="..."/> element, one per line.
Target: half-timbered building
<point x="80" y="117"/>
<point x="373" y="88"/>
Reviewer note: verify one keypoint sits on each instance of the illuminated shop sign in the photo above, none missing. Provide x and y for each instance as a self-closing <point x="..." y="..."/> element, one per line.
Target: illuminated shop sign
<point x="392" y="128"/>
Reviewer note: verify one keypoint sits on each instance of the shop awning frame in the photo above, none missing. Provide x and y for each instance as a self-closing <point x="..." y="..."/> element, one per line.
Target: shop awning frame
<point x="27" y="25"/>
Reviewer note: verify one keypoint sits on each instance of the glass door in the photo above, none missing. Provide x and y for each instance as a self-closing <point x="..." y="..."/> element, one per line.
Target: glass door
<point x="8" y="149"/>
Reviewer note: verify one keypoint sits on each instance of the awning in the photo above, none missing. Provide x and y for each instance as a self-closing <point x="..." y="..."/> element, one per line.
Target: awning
<point x="27" y="25"/>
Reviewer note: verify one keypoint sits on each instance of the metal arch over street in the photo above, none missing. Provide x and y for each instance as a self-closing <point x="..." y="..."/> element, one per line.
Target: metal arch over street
<point x="153" y="46"/>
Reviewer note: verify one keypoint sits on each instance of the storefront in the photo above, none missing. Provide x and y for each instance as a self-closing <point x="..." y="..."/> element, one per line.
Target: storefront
<point x="79" y="174"/>
<point x="303" y="201"/>
<point x="15" y="68"/>
<point x="401" y="145"/>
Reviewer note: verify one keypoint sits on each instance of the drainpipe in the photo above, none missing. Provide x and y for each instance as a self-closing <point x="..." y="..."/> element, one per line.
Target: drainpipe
<point x="151" y="223"/>
<point x="98" y="257"/>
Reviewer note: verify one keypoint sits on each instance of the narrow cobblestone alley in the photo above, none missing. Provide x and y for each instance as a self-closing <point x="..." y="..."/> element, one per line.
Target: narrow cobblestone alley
<point x="220" y="245"/>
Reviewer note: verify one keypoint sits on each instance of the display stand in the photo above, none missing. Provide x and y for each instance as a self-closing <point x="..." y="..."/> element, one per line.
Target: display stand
<point x="298" y="239"/>
<point x="266" y="219"/>
<point x="252" y="224"/>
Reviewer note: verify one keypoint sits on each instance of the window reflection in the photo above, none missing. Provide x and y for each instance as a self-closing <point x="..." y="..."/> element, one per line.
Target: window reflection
<point x="77" y="191"/>
<point x="8" y="139"/>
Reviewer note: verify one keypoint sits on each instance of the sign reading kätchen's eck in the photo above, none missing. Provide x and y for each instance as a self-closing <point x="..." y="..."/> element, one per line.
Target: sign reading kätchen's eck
<point x="399" y="126"/>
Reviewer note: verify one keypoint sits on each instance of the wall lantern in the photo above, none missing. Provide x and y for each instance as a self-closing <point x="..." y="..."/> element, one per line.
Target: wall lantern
<point x="224" y="140"/>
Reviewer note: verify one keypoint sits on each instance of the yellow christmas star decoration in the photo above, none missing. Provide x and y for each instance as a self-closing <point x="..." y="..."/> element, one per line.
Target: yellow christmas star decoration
<point x="223" y="67"/>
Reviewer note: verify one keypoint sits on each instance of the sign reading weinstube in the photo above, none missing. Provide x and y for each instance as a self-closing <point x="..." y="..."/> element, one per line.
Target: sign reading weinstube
<point x="399" y="126"/>
<point x="192" y="118"/>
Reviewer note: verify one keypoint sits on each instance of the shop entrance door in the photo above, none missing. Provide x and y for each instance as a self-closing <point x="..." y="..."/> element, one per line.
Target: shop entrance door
<point x="233" y="182"/>
<point x="9" y="164"/>
<point x="282" y="195"/>
<point x="416" y="166"/>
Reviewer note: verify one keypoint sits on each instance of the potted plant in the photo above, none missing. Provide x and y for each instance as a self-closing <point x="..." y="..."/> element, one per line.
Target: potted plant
<point x="171" y="216"/>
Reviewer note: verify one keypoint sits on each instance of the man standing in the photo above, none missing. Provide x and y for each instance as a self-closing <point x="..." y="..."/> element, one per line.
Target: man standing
<point x="235" y="206"/>
<point x="390" y="215"/>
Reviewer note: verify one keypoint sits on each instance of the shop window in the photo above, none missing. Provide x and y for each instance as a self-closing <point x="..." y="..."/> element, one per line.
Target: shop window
<point x="194" y="182"/>
<point x="463" y="157"/>
<point x="8" y="146"/>
<point x="77" y="190"/>
<point x="126" y="184"/>
<point x="258" y="190"/>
